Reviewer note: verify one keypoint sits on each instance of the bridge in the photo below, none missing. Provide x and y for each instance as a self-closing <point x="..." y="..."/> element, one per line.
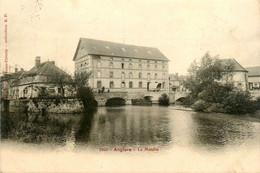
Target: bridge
<point x="125" y="98"/>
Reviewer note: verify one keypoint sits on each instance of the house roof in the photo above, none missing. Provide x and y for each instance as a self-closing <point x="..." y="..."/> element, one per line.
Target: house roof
<point x="237" y="66"/>
<point x="105" y="48"/>
<point x="12" y="76"/>
<point x="46" y="68"/>
<point x="253" y="71"/>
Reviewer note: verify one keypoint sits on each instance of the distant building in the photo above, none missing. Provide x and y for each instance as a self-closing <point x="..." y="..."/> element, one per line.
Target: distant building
<point x="9" y="83"/>
<point x="253" y="78"/>
<point x="176" y="83"/>
<point x="121" y="67"/>
<point x="239" y="74"/>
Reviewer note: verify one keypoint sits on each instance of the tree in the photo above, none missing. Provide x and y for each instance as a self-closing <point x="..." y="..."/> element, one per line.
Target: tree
<point x="164" y="100"/>
<point x="81" y="79"/>
<point x="212" y="90"/>
<point x="60" y="79"/>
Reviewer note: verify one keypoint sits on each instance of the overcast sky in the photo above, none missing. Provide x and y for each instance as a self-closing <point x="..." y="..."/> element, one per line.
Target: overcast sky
<point x="182" y="30"/>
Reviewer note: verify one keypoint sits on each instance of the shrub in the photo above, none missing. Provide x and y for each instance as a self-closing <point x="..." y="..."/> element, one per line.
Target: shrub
<point x="164" y="100"/>
<point x="240" y="102"/>
<point x="201" y="106"/>
<point x="87" y="97"/>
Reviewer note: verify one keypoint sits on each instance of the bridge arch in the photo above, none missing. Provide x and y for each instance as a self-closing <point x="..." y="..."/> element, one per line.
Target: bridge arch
<point x="116" y="101"/>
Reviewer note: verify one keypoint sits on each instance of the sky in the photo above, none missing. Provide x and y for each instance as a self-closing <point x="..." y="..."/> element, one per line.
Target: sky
<point x="181" y="30"/>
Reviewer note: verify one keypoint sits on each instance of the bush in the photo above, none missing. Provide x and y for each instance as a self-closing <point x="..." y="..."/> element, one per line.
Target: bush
<point x="164" y="100"/>
<point x="240" y="102"/>
<point x="87" y="97"/>
<point x="201" y="106"/>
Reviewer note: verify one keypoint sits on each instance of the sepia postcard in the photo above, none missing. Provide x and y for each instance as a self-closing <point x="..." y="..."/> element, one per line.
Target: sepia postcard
<point x="130" y="85"/>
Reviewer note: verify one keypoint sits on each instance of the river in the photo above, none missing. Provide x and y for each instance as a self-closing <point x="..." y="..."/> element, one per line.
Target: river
<point x="137" y="138"/>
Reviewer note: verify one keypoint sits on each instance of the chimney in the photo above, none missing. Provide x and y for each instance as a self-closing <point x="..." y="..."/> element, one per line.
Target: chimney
<point x="15" y="69"/>
<point x="37" y="62"/>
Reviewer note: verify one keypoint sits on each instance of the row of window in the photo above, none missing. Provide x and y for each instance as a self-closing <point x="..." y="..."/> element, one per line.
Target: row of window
<point x="123" y="84"/>
<point x="130" y="66"/>
<point x="111" y="75"/>
<point x="130" y="60"/>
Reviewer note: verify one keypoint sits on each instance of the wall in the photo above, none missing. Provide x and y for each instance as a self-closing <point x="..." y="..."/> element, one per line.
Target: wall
<point x="46" y="105"/>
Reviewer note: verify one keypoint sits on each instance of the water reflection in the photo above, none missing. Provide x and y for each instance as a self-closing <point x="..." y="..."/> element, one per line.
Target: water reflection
<point x="124" y="126"/>
<point x="219" y="130"/>
<point x="133" y="126"/>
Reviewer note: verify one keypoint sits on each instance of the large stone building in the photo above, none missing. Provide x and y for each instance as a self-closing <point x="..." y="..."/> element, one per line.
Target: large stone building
<point x="121" y="67"/>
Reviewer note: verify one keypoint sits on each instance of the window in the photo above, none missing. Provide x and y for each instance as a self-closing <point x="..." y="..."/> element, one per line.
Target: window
<point x="140" y="85"/>
<point x="155" y="67"/>
<point x="140" y="75"/>
<point x="155" y="76"/>
<point x="163" y="67"/>
<point x="111" y="84"/>
<point x="25" y="91"/>
<point x="123" y="84"/>
<point x="130" y="75"/>
<point x="59" y="90"/>
<point x="123" y="75"/>
<point x="122" y="65"/>
<point x="148" y="76"/>
<point x="131" y="84"/>
<point x="99" y="64"/>
<point x="99" y="74"/>
<point x="99" y="84"/>
<point x="148" y="67"/>
<point x="111" y="65"/>
<point x="130" y="66"/>
<point x="140" y="66"/>
<point x="111" y="74"/>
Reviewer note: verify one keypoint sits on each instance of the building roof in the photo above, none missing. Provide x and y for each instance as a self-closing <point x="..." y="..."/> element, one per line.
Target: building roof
<point x="46" y="69"/>
<point x="10" y="76"/>
<point x="253" y="71"/>
<point x="237" y="66"/>
<point x="105" y="48"/>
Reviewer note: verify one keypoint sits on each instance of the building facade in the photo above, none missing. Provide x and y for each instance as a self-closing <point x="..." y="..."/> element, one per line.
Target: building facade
<point x="253" y="78"/>
<point x="239" y="75"/>
<point x="119" y="67"/>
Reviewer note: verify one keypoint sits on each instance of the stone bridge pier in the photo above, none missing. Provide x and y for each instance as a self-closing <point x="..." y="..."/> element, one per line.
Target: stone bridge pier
<point x="103" y="98"/>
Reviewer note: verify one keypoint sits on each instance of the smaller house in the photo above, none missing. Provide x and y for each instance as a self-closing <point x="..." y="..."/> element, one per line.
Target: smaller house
<point x="253" y="78"/>
<point x="40" y="80"/>
<point x="239" y="74"/>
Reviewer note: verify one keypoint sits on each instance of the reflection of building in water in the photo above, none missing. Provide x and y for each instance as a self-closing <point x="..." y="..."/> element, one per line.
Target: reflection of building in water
<point x="121" y="67"/>
<point x="124" y="128"/>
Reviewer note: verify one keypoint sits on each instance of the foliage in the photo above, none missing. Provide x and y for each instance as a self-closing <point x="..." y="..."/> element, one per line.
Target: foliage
<point x="87" y="97"/>
<point x="212" y="90"/>
<point x="60" y="79"/>
<point x="81" y="79"/>
<point x="164" y="100"/>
